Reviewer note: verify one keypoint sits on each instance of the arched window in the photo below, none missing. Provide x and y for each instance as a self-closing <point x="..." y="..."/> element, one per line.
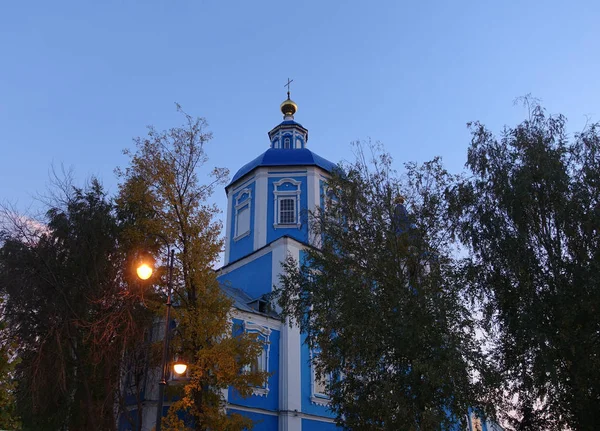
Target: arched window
<point x="287" y="143"/>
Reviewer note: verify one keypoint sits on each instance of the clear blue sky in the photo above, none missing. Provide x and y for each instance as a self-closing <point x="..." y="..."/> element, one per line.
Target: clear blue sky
<point x="79" y="79"/>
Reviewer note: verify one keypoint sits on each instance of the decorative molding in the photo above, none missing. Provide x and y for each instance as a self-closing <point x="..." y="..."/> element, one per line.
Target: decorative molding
<point x="239" y="201"/>
<point x="281" y="413"/>
<point x="269" y="322"/>
<point x="316" y="397"/>
<point x="245" y="234"/>
<point x="243" y="200"/>
<point x="319" y="401"/>
<point x="258" y="410"/>
<point x="261" y="392"/>
<point x="286" y="180"/>
<point x="254" y="327"/>
<point x="282" y="171"/>
<point x="264" y="334"/>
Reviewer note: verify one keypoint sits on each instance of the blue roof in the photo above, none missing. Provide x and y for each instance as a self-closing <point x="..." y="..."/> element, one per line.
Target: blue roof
<point x="284" y="157"/>
<point x="241" y="300"/>
<point x="290" y="122"/>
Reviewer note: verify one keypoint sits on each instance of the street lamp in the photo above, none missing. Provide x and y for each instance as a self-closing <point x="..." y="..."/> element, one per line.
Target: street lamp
<point x="179" y="366"/>
<point x="144" y="271"/>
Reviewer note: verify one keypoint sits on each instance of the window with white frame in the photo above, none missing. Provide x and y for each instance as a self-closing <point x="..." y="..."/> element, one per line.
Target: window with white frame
<point x="242" y="214"/>
<point x="320" y="386"/>
<point x="261" y="362"/>
<point x="287" y="198"/>
<point x="287" y="143"/>
<point x="319" y="383"/>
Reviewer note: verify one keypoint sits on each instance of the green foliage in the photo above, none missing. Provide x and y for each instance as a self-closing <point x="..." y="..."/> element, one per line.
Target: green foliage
<point x="164" y="202"/>
<point x="530" y="213"/>
<point x="379" y="301"/>
<point x="56" y="279"/>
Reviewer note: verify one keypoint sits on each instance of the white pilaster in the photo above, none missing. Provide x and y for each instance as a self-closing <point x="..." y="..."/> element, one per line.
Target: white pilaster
<point x="290" y="399"/>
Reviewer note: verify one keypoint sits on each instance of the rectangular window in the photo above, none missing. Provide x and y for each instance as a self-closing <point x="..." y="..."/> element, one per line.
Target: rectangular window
<point x="242" y="221"/>
<point x="260" y="362"/>
<point x="320" y="389"/>
<point x="287" y="211"/>
<point x="320" y="384"/>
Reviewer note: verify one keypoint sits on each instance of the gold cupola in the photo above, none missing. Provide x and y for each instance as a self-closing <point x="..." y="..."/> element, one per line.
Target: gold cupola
<point x="288" y="108"/>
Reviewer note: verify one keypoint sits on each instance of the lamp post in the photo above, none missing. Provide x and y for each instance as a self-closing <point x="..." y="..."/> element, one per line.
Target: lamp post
<point x="144" y="271"/>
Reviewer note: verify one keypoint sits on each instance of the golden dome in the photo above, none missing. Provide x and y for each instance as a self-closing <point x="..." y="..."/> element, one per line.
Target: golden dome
<point x="288" y="108"/>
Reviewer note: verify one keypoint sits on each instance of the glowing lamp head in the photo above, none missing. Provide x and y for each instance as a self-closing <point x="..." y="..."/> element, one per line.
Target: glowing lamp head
<point x="180" y="368"/>
<point x="144" y="271"/>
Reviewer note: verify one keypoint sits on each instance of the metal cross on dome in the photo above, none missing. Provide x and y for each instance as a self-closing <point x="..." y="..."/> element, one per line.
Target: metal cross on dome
<point x="288" y="86"/>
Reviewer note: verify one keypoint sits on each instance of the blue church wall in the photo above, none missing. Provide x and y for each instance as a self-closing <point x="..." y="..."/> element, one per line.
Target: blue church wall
<point x="131" y="399"/>
<point x="312" y="425"/>
<point x="262" y="422"/>
<point x="254" y="278"/>
<point x="302" y="257"/>
<point x="125" y="425"/>
<point x="300" y="234"/>
<point x="242" y="246"/>
<point x="271" y="399"/>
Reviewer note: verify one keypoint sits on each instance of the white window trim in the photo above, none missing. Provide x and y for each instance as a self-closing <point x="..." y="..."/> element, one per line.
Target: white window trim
<point x="280" y="194"/>
<point x="263" y="331"/>
<point x="239" y="205"/>
<point x="316" y="398"/>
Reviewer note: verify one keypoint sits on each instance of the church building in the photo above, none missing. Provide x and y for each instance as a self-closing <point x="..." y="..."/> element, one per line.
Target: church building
<point x="267" y="204"/>
<point x="268" y="200"/>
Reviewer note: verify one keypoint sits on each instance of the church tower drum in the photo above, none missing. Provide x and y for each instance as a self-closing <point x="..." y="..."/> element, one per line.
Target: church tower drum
<point x="267" y="221"/>
<point x="270" y="197"/>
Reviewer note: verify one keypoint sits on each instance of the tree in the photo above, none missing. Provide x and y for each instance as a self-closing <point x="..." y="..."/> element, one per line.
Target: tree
<point x="162" y="193"/>
<point x="529" y="214"/>
<point x="8" y="413"/>
<point x="56" y="277"/>
<point x="379" y="304"/>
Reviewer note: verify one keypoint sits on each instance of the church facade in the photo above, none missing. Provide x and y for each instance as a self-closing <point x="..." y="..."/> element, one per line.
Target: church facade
<point x="268" y="200"/>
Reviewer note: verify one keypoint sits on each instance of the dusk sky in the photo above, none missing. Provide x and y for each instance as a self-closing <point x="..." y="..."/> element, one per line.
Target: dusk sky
<point x="80" y="79"/>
